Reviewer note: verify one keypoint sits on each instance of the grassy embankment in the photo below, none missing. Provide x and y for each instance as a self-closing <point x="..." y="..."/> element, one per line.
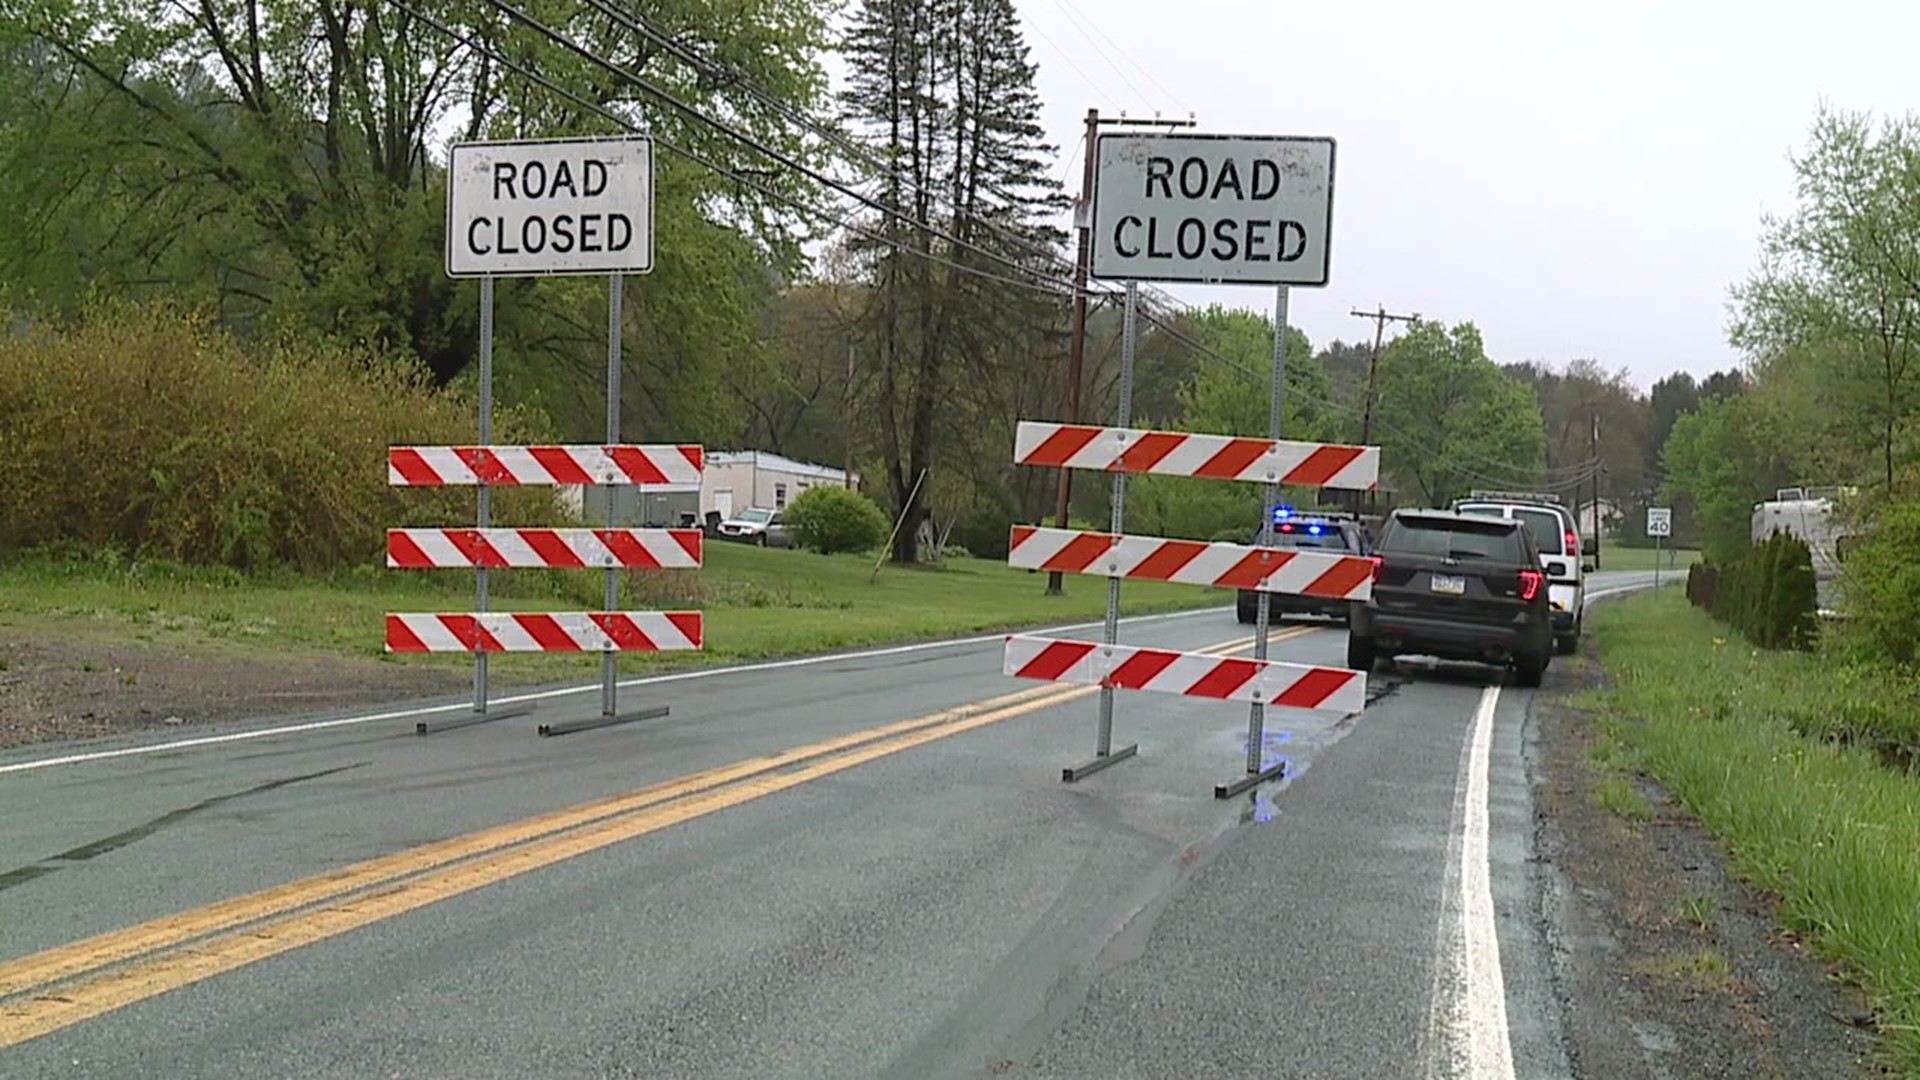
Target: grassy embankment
<point x="1806" y="767"/>
<point x="1615" y="557"/>
<point x="758" y="604"/>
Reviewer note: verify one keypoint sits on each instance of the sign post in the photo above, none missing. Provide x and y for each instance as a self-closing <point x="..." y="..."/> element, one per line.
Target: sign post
<point x="1659" y="526"/>
<point x="1207" y="209"/>
<point x="530" y="208"/>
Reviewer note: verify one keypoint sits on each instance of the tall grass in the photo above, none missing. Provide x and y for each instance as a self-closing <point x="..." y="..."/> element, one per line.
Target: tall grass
<point x="1822" y="823"/>
<point x="147" y="430"/>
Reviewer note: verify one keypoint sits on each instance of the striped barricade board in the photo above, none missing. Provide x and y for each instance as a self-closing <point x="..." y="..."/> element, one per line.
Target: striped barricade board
<point x="566" y="631"/>
<point x="1326" y="574"/>
<point x="648" y="549"/>
<point x="1339" y="691"/>
<point x="668" y="467"/>
<point x="1217" y="457"/>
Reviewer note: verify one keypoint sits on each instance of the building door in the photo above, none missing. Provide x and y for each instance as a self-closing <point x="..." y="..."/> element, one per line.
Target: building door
<point x="723" y="502"/>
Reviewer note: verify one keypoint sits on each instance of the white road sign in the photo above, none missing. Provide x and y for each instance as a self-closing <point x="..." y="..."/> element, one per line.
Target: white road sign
<point x="1214" y="209"/>
<point x="1659" y="521"/>
<point x="550" y="206"/>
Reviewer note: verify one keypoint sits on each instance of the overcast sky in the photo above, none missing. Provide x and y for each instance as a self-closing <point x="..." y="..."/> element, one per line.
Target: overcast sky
<point x="1579" y="180"/>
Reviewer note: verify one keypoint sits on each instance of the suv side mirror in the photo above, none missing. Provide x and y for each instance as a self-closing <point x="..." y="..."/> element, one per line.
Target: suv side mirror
<point x="1586" y="568"/>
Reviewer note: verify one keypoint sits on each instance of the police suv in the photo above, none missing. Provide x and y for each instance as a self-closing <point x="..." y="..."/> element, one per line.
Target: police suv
<point x="1311" y="530"/>
<point x="1558" y="536"/>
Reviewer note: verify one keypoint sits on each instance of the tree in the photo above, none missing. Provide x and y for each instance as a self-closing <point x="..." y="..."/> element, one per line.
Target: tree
<point x="946" y="90"/>
<point x="274" y="157"/>
<point x="1837" y="292"/>
<point x="1449" y="419"/>
<point x="1230" y="394"/>
<point x="1715" y="463"/>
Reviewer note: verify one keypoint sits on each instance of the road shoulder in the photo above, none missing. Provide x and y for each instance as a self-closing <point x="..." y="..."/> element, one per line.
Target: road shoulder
<point x="1669" y="964"/>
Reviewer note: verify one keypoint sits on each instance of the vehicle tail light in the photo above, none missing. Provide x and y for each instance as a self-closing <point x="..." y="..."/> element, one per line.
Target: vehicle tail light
<point x="1529" y="584"/>
<point x="1375" y="559"/>
<point x="1573" y="543"/>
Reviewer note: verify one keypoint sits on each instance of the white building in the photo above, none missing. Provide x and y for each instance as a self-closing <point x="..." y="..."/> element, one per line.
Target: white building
<point x="736" y="480"/>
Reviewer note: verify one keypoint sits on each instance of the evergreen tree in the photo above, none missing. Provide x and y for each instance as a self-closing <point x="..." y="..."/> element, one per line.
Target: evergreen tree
<point x="946" y="88"/>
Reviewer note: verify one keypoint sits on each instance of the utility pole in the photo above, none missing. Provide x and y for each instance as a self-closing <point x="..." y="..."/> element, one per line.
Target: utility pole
<point x="1595" y="454"/>
<point x="847" y="478"/>
<point x="1380" y="318"/>
<point x="1076" y="357"/>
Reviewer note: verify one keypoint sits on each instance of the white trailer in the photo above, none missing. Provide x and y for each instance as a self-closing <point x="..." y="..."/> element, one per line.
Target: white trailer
<point x="1808" y="514"/>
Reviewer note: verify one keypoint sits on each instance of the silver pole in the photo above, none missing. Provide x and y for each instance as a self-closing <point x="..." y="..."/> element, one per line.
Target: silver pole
<point x="610" y="661"/>
<point x="1128" y="337"/>
<point x="486" y="493"/>
<point x="1257" y="718"/>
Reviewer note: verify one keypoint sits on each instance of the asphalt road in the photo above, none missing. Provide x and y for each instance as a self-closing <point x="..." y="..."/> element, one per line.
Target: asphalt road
<point x="926" y="901"/>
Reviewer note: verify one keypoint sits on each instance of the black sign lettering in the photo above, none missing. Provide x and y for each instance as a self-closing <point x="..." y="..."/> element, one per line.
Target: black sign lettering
<point x="1195" y="230"/>
<point x="1226" y="241"/>
<point x="503" y="177"/>
<point x="1257" y="241"/>
<point x="596" y="177"/>
<point x="562" y="231"/>
<point x="1193" y="178"/>
<point x="1159" y="169"/>
<point x="1153" y="241"/>
<point x="533" y="232"/>
<point x="1264" y="170"/>
<point x="589" y="229"/>
<point x="1299" y="233"/>
<point x="1228" y="176"/>
<point x="620" y="232"/>
<point x="563" y="179"/>
<point x="473" y="237"/>
<point x="1120" y="245"/>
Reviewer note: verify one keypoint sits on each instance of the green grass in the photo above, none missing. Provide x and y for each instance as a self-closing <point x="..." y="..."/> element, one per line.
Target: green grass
<point x="758" y="603"/>
<point x="1823" y="824"/>
<point x="1698" y="907"/>
<point x="1615" y="557"/>
<point x="1705" y="968"/>
<point x="1617" y="794"/>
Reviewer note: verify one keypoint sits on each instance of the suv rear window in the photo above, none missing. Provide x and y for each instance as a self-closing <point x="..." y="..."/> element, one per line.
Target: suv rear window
<point x="1294" y="534"/>
<point x="1443" y="538"/>
<point x="1548" y="527"/>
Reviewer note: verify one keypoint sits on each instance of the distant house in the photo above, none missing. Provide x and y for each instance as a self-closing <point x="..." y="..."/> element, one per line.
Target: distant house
<point x="732" y="481"/>
<point x="736" y="480"/>
<point x="1598" y="518"/>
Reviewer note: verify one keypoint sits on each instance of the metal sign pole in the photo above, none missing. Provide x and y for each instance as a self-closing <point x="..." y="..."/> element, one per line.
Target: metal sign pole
<point x="609" y="661"/>
<point x="486" y="491"/>
<point x="1103" y="752"/>
<point x="1263" y="618"/>
<point x="1656" y="560"/>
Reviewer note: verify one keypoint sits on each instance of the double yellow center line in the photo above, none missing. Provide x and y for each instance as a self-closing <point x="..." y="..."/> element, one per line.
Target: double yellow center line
<point x="64" y="985"/>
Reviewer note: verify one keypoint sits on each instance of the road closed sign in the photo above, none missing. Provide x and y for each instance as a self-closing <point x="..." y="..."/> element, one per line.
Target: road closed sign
<point x="550" y="206"/>
<point x="1212" y="209"/>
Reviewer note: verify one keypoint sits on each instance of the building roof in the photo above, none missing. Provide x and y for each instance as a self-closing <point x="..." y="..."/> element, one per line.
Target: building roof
<point x="768" y="460"/>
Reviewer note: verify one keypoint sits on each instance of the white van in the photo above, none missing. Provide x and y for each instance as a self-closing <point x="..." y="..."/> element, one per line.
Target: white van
<point x="1560" y="558"/>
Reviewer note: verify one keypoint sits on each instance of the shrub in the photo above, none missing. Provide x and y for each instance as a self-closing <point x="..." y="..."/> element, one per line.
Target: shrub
<point x="836" y="519"/>
<point x="1703" y="579"/>
<point x="150" y="432"/>
<point x="1881" y="583"/>
<point x="1768" y="594"/>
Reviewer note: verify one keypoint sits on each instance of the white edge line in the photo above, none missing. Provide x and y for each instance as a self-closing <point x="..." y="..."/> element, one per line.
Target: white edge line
<point x="1489" y="1041"/>
<point x="547" y="695"/>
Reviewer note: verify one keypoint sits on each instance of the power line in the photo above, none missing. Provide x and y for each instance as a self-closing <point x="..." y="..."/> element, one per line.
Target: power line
<point x="1036" y="281"/>
<point x="701" y="160"/>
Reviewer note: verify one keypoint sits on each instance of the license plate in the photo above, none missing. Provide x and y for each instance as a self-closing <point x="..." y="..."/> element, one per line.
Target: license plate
<point x="1447" y="583"/>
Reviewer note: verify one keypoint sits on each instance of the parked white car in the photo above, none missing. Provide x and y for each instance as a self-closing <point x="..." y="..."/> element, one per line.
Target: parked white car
<point x="757" y="525"/>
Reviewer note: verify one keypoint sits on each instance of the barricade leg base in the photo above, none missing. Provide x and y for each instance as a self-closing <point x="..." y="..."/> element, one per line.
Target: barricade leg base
<point x="469" y="720"/>
<point x="1081" y="772"/>
<point x="1228" y="790"/>
<point x="571" y="726"/>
